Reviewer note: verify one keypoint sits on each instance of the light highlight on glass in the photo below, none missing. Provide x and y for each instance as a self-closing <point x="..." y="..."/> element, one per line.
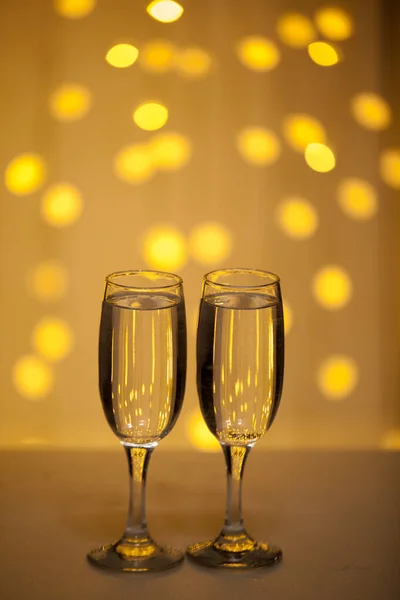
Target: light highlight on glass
<point x="122" y="55"/>
<point x="53" y="339"/>
<point x="150" y="116"/>
<point x="32" y="377"/>
<point x="295" y="30"/>
<point x="371" y="111"/>
<point x="199" y="434"/>
<point x="320" y="158"/>
<point x="390" y="167"/>
<point x="337" y="377"/>
<point x="166" y="11"/>
<point x="158" y="57"/>
<point x="133" y="164"/>
<point x="74" y="9"/>
<point x="258" y="53"/>
<point x="334" y="23"/>
<point x="165" y="248"/>
<point x="194" y="63"/>
<point x="62" y="205"/>
<point x="332" y="287"/>
<point x="297" y="218"/>
<point x="358" y="199"/>
<point x="25" y="174"/>
<point x="48" y="281"/>
<point x="70" y="102"/>
<point x="301" y="130"/>
<point x="287" y="316"/>
<point x="210" y="243"/>
<point x="323" y="54"/>
<point x="258" y="146"/>
<point x="170" y="151"/>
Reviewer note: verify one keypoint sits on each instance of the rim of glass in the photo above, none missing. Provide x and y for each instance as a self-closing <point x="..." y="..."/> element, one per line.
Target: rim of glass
<point x="177" y="279"/>
<point x="208" y="278"/>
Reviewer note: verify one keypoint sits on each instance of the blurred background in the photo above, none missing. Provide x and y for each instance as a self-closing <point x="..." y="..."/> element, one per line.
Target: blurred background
<point x="189" y="136"/>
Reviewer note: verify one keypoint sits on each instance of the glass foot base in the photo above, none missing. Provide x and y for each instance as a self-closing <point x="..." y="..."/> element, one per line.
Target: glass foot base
<point x="129" y="556"/>
<point x="238" y="551"/>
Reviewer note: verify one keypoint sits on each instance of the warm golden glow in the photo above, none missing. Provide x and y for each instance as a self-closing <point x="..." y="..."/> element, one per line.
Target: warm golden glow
<point x="74" y="9"/>
<point x="48" y="281"/>
<point x="158" y="56"/>
<point x="258" y="146"/>
<point x="295" y="30"/>
<point x="332" y="287"/>
<point x="70" y="102"/>
<point x="53" y="339"/>
<point x="358" y="199"/>
<point x="320" y="157"/>
<point x="122" y="55"/>
<point x="150" y="116"/>
<point x="32" y="377"/>
<point x="258" y="53"/>
<point x="194" y="63"/>
<point x="210" y="243"/>
<point x="323" y="54"/>
<point x="170" y="151"/>
<point x="297" y="218"/>
<point x="390" y="167"/>
<point x="287" y="316"/>
<point x="199" y="434"/>
<point x="62" y="205"/>
<point x="334" y="23"/>
<point x="301" y="130"/>
<point x="371" y="111"/>
<point x="337" y="377"/>
<point x="25" y="174"/>
<point x="133" y="164"/>
<point x="166" y="11"/>
<point x="391" y="440"/>
<point x="165" y="248"/>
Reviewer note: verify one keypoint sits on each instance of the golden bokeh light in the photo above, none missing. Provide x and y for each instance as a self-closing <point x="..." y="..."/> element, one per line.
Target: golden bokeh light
<point x="258" y="146"/>
<point x="301" y="130"/>
<point x="258" y="53"/>
<point x="74" y="9"/>
<point x="70" y="102"/>
<point x="323" y="54"/>
<point x="334" y="23"/>
<point x="170" y="151"/>
<point x="391" y="440"/>
<point x="390" y="167"/>
<point x="297" y="218"/>
<point x="158" y="56"/>
<point x="53" y="339"/>
<point x="25" y="174"/>
<point x="332" y="287"/>
<point x="337" y="377"/>
<point x="32" y="377"/>
<point x="210" y="243"/>
<point x="199" y="435"/>
<point x="165" y="248"/>
<point x="194" y="63"/>
<point x="122" y="55"/>
<point x="150" y="116"/>
<point x="133" y="164"/>
<point x="287" y="316"/>
<point x="320" y="158"/>
<point x="371" y="111"/>
<point x="62" y="205"/>
<point x="48" y="281"/>
<point x="358" y="199"/>
<point x="166" y="11"/>
<point x="295" y="30"/>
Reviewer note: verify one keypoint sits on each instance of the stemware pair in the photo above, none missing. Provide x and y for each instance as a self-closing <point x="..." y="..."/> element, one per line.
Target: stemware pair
<point x="142" y="372"/>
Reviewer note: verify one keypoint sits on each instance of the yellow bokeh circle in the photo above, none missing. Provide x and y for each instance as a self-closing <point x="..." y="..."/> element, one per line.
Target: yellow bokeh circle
<point x="194" y="63"/>
<point x="337" y="377"/>
<point x="258" y="146"/>
<point x="358" y="199"/>
<point x="391" y="440"/>
<point x="301" y="130"/>
<point x="70" y="102"/>
<point x="150" y="116"/>
<point x="32" y="377"/>
<point x="320" y="158"/>
<point x="210" y="243"/>
<point x="258" y="53"/>
<point x="53" y="339"/>
<point x="371" y="111"/>
<point x="297" y="218"/>
<point x="170" y="151"/>
<point x="48" y="281"/>
<point x="199" y="435"/>
<point x="334" y="23"/>
<point x="332" y="287"/>
<point x="287" y="316"/>
<point x="122" y="55"/>
<point x="25" y="174"/>
<point x="165" y="248"/>
<point x="165" y="11"/>
<point x="133" y="164"/>
<point x="390" y="167"/>
<point x="74" y="9"/>
<point x="62" y="205"/>
<point x="158" y="56"/>
<point x="295" y="30"/>
<point x="323" y="54"/>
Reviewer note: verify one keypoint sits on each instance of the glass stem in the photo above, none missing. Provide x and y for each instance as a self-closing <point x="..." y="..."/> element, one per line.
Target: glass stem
<point x="235" y="457"/>
<point x="138" y="461"/>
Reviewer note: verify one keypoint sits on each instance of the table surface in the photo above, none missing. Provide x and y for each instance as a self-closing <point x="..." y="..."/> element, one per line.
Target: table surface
<point x="335" y="515"/>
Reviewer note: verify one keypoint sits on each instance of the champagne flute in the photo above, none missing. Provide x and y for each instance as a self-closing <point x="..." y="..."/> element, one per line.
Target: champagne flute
<point x="240" y="360"/>
<point x="142" y="372"/>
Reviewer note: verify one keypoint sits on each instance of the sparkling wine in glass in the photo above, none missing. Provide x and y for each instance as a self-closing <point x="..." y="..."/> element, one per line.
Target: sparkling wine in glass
<point x="142" y="372"/>
<point x="240" y="361"/>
